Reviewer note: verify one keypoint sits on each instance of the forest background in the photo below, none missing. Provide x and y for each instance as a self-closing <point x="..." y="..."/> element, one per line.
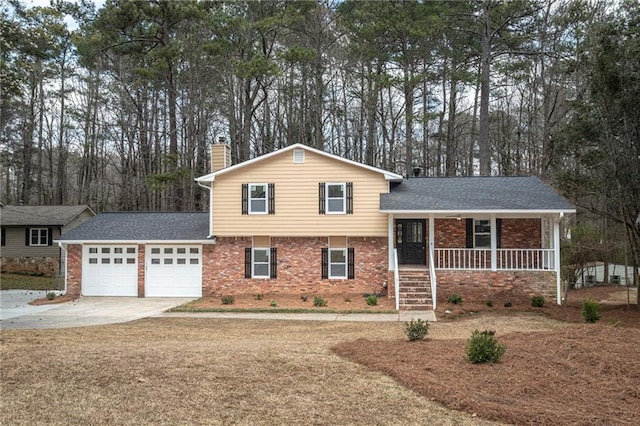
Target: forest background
<point x="118" y="110"/>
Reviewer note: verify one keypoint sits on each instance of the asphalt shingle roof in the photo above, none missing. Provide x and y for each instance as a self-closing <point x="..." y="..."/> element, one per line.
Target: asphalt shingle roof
<point x="39" y="215"/>
<point x="480" y="193"/>
<point x="142" y="226"/>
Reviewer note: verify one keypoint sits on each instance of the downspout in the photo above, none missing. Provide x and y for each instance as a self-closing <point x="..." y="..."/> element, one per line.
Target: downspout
<point x="210" y="188"/>
<point x="66" y="262"/>
<point x="556" y="256"/>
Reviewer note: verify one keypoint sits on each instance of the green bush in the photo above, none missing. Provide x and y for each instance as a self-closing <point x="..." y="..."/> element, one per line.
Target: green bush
<point x="304" y="297"/>
<point x="319" y="301"/>
<point x="482" y="347"/>
<point x="590" y="310"/>
<point x="51" y="295"/>
<point x="537" y="301"/>
<point x="259" y="296"/>
<point x="455" y="299"/>
<point x="416" y="330"/>
<point x="372" y="300"/>
<point x="489" y="303"/>
<point x="228" y="300"/>
<point x="274" y="304"/>
<point x="508" y="304"/>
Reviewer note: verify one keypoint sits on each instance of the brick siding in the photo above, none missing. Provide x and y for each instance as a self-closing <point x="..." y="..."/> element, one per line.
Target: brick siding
<point x="521" y="233"/>
<point x="74" y="270"/>
<point x="450" y="233"/>
<point x="299" y="267"/>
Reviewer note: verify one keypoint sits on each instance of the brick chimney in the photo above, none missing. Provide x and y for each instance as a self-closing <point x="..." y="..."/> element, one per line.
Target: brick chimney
<point x="220" y="155"/>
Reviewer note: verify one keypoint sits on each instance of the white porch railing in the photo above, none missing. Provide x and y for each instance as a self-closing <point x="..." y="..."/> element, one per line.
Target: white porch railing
<point x="506" y="259"/>
<point x="432" y="275"/>
<point x="396" y="278"/>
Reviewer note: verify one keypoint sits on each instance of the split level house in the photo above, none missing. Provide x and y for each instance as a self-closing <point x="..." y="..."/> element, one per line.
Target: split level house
<point x="302" y="221"/>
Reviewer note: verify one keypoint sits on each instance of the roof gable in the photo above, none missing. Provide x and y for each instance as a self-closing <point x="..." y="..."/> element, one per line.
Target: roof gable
<point x="473" y="194"/>
<point x="40" y="215"/>
<point x="211" y="176"/>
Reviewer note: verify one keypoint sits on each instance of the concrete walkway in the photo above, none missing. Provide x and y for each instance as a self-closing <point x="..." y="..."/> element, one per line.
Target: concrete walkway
<point x="404" y="316"/>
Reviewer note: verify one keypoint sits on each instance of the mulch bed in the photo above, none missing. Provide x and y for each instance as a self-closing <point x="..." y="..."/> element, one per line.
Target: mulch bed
<point x="578" y="374"/>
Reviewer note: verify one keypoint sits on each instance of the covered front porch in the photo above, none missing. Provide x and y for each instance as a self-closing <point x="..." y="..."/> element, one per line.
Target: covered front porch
<point x="485" y="255"/>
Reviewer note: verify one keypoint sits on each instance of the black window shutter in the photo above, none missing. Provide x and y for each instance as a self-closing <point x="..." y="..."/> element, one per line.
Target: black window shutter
<point x="274" y="263"/>
<point x="245" y="198"/>
<point x="50" y="236"/>
<point x="3" y="237"/>
<point x="247" y="262"/>
<point x="349" y="197"/>
<point x="272" y="198"/>
<point x="499" y="233"/>
<point x="351" y="270"/>
<point x="469" y="233"/>
<point x="325" y="263"/>
<point x="27" y="237"/>
<point x="321" y="198"/>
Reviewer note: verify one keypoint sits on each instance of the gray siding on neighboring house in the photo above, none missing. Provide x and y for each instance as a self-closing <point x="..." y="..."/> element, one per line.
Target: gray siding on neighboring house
<point x="81" y="218"/>
<point x="15" y="244"/>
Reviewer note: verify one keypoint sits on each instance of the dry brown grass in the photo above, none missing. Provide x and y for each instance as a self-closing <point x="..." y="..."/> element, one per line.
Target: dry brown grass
<point x="204" y="371"/>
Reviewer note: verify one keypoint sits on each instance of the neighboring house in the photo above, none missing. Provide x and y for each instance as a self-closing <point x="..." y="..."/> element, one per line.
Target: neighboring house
<point x="594" y="273"/>
<point x="28" y="233"/>
<point x="302" y="221"/>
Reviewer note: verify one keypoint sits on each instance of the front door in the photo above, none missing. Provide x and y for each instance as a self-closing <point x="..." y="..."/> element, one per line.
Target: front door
<point x="411" y="241"/>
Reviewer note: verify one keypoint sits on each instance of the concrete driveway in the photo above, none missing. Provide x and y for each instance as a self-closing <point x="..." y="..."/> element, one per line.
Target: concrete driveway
<point x="85" y="311"/>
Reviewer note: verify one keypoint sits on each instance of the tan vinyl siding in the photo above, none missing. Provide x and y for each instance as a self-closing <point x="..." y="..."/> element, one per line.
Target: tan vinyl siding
<point x="296" y="199"/>
<point x="15" y="246"/>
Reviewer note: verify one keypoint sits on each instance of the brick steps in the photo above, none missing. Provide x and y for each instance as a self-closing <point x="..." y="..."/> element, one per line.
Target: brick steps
<point x="415" y="291"/>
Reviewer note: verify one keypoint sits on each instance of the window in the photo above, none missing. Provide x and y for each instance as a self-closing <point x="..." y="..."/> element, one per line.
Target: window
<point x="481" y="233"/>
<point x="38" y="236"/>
<point x="258" y="198"/>
<point x="336" y="198"/>
<point x="260" y="262"/>
<point x="338" y="263"/>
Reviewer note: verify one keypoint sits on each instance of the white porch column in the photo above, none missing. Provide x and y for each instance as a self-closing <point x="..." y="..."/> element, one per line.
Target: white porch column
<point x="494" y="243"/>
<point x="556" y="256"/>
<point x="390" y="242"/>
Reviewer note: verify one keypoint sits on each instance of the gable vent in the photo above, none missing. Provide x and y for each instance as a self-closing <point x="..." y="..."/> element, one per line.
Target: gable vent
<point x="298" y="156"/>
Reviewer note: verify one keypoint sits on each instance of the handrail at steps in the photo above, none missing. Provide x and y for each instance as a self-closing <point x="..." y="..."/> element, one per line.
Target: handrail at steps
<point x="432" y="275"/>
<point x="396" y="278"/>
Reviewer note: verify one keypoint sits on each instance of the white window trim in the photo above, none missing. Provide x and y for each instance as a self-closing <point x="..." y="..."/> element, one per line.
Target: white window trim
<point x="40" y="230"/>
<point x="253" y="262"/>
<point x="266" y="198"/>
<point x="475" y="245"/>
<point x="346" y="264"/>
<point x="344" y="198"/>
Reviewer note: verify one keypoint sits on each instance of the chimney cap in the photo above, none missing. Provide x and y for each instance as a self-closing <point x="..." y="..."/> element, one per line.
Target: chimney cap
<point x="222" y="140"/>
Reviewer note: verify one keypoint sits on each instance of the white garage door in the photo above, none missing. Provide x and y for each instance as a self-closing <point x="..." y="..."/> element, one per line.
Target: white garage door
<point x="110" y="270"/>
<point x="173" y="271"/>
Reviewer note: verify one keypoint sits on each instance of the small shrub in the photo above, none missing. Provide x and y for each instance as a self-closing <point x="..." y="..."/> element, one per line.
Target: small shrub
<point x="416" y="330"/>
<point x="274" y="303"/>
<point x="51" y="295"/>
<point x="228" y="300"/>
<point x="590" y="310"/>
<point x="454" y="299"/>
<point x="508" y="304"/>
<point x="482" y="347"/>
<point x="537" y="301"/>
<point x="318" y="301"/>
<point x="347" y="300"/>
<point x="615" y="322"/>
<point x="304" y="297"/>
<point x="372" y="300"/>
<point x="489" y="303"/>
<point x="259" y="296"/>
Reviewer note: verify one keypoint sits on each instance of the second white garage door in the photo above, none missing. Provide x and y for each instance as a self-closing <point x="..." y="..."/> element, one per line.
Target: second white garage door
<point x="173" y="271"/>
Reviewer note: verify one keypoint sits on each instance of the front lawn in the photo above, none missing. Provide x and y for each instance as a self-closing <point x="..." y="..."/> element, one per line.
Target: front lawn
<point x="25" y="282"/>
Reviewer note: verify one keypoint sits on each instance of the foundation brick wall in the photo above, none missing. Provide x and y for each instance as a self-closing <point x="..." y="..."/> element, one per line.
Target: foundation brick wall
<point x="74" y="269"/>
<point x="299" y="267"/>
<point x="498" y="286"/>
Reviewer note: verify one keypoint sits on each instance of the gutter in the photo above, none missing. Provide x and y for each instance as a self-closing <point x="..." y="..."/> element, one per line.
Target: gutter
<point x="210" y="188"/>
